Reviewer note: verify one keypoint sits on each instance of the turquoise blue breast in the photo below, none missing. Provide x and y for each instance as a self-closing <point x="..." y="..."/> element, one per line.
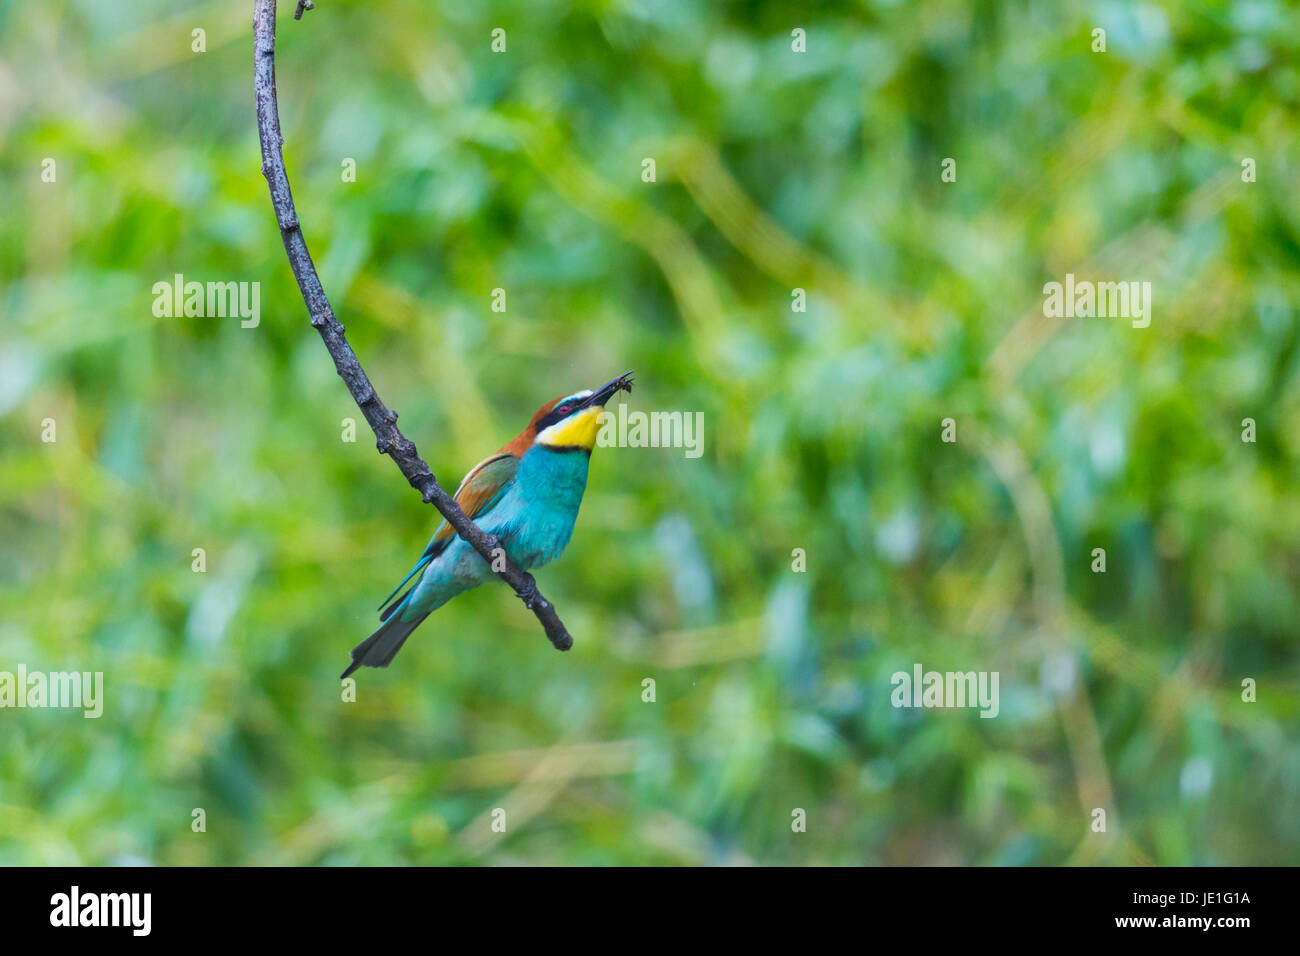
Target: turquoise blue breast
<point x="536" y="516"/>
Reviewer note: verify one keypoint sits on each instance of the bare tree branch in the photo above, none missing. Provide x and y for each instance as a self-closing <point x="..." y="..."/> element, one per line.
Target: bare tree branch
<point x="389" y="440"/>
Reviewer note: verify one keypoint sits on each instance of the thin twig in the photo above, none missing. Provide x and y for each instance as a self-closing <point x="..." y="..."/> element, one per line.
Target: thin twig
<point x="389" y="440"/>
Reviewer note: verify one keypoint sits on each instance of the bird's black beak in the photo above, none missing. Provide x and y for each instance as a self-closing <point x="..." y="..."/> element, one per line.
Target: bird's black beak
<point x="607" y="391"/>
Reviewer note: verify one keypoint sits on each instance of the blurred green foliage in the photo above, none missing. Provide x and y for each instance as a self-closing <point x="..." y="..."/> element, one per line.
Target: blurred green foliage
<point x="775" y="171"/>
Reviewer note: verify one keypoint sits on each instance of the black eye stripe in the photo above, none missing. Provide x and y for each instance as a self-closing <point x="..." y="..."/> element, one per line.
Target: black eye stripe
<point x="549" y="419"/>
<point x="557" y="414"/>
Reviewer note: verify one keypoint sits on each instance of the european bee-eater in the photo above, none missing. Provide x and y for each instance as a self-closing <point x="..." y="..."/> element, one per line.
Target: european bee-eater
<point x="527" y="494"/>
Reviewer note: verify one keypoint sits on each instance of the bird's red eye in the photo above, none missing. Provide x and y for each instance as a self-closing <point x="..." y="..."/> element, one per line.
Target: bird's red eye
<point x="566" y="408"/>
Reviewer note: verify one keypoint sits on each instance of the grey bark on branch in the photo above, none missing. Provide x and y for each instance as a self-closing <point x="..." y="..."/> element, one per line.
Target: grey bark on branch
<point x="383" y="421"/>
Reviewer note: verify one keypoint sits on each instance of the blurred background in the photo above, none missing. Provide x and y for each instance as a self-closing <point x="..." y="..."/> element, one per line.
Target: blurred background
<point x="775" y="171"/>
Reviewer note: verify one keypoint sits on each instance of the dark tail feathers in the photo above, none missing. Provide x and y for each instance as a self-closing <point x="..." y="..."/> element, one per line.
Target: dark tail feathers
<point x="379" y="649"/>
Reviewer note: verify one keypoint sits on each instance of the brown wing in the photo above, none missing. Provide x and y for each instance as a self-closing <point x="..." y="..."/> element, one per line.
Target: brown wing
<point x="481" y="489"/>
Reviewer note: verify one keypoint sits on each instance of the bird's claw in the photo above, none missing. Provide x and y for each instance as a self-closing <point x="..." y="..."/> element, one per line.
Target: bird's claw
<point x="528" y="593"/>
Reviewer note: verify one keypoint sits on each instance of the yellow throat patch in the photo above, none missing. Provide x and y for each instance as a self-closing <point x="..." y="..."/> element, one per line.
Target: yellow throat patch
<point x="577" y="431"/>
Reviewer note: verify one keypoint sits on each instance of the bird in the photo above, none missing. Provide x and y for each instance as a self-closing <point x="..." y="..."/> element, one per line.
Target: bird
<point x="527" y="493"/>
